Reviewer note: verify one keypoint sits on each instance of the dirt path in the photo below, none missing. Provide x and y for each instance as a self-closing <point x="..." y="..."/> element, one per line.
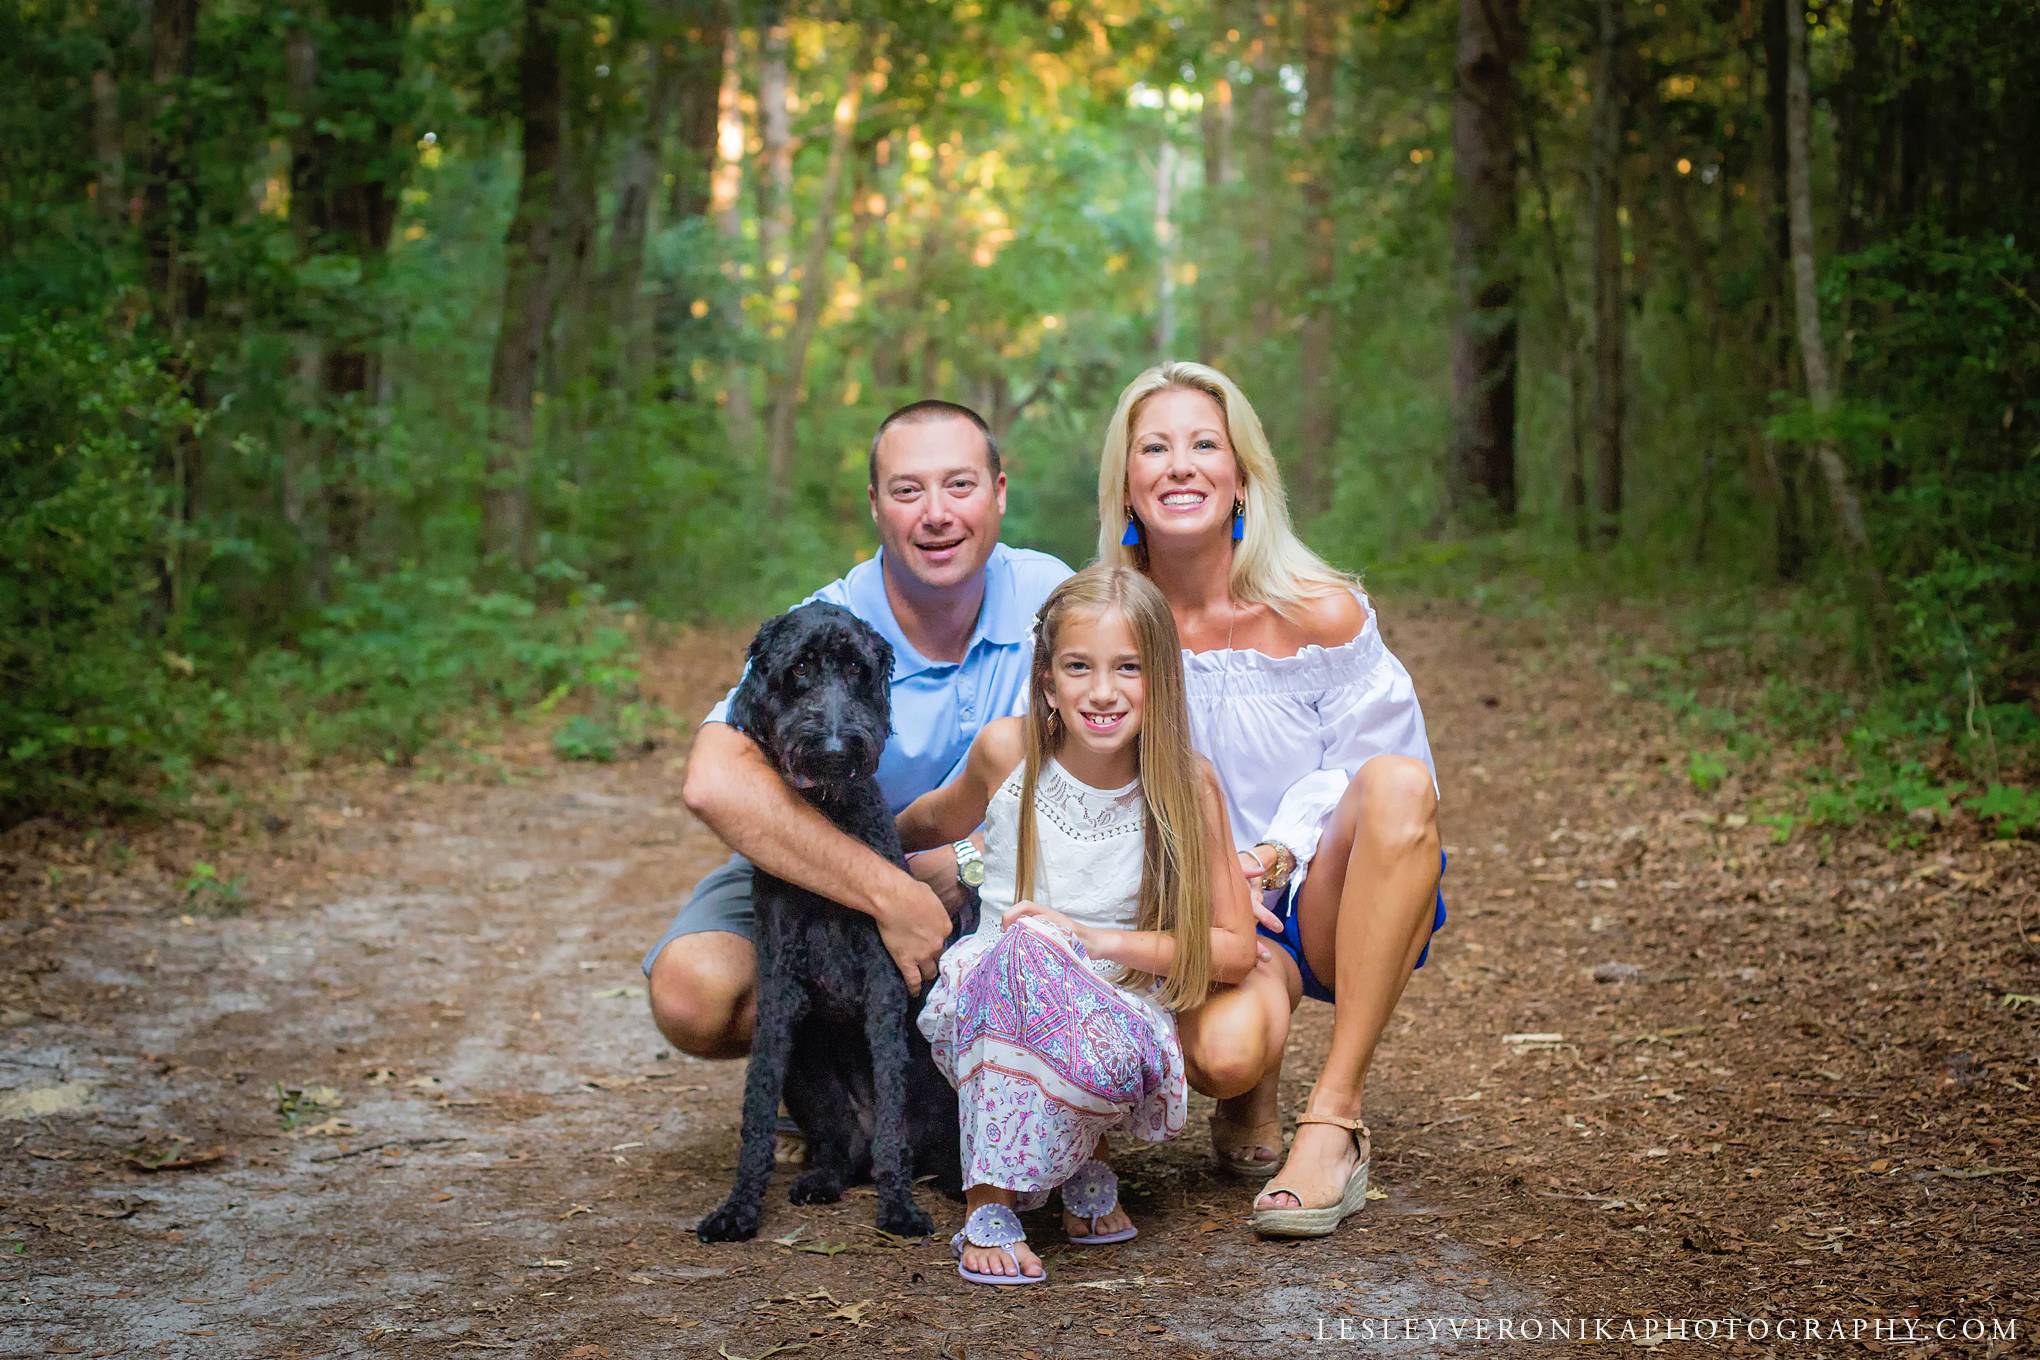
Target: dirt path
<point x="1813" y="1098"/>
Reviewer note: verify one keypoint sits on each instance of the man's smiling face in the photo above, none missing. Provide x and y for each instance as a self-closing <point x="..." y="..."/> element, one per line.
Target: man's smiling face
<point x="936" y="501"/>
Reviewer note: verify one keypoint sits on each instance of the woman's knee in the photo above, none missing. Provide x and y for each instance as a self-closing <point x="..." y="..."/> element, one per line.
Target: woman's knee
<point x="703" y="1006"/>
<point x="1398" y="803"/>
<point x="1229" y="1043"/>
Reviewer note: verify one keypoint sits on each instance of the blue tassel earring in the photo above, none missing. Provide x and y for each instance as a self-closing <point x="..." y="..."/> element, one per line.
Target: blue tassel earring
<point x="1239" y="520"/>
<point x="1131" y="538"/>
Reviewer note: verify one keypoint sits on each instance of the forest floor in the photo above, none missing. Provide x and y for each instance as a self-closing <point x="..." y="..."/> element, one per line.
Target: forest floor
<point x="384" y="1083"/>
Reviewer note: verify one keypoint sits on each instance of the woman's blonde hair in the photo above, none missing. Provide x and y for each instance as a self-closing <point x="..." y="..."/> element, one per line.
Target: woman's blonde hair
<point x="1270" y="563"/>
<point x="1175" y="876"/>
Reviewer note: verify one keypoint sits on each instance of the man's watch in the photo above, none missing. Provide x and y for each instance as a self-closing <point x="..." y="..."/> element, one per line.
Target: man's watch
<point x="970" y="865"/>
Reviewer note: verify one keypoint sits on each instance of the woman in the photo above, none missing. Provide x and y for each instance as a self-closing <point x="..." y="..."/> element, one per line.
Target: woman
<point x="1316" y="734"/>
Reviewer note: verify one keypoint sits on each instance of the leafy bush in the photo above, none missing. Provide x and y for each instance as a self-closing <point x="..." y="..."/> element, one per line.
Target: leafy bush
<point x="394" y="663"/>
<point x="90" y="693"/>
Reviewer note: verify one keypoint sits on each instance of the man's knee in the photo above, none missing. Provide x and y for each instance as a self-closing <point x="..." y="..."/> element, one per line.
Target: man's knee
<point x="1398" y="803"/>
<point x="704" y="997"/>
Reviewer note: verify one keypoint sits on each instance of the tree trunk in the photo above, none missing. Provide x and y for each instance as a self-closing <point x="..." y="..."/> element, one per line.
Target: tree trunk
<point x="1165" y="246"/>
<point x="1264" y="102"/>
<point x="1317" y="424"/>
<point x="175" y="286"/>
<point x="702" y="52"/>
<point x="1215" y="124"/>
<point x="1482" y="481"/>
<point x="1781" y="460"/>
<point x="637" y="182"/>
<point x="814" y="292"/>
<point x="1569" y="339"/>
<point x="1610" y="376"/>
<point x="345" y="187"/>
<point x="527" y="306"/>
<point x="1813" y="354"/>
<point x="109" y="189"/>
<point x="775" y="184"/>
<point x="740" y="411"/>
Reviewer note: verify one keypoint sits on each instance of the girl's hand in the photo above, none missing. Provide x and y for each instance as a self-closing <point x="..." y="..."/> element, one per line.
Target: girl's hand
<point x="1252" y="868"/>
<point x="1020" y="911"/>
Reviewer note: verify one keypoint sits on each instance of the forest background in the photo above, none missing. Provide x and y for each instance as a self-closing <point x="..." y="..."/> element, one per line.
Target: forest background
<point x="375" y="369"/>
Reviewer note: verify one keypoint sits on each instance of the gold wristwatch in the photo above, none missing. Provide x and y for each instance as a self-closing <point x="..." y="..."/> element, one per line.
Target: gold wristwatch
<point x="1278" y="874"/>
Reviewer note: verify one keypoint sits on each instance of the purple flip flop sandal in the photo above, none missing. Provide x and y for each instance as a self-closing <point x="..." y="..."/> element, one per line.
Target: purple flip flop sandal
<point x="1092" y="1192"/>
<point x="993" y="1225"/>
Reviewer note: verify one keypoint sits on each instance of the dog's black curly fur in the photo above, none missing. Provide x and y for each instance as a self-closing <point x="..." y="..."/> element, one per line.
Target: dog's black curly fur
<point x="835" y="1032"/>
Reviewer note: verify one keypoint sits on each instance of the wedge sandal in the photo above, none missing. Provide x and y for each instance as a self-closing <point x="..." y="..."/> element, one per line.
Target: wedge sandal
<point x="1237" y="1156"/>
<point x="1325" y="1219"/>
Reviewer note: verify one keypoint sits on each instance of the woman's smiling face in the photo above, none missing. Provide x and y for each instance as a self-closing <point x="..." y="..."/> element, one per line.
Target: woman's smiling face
<point x="1095" y="682"/>
<point x="1181" y="473"/>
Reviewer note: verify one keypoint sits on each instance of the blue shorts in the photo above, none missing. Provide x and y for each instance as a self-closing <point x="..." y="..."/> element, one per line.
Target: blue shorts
<point x="1291" y="936"/>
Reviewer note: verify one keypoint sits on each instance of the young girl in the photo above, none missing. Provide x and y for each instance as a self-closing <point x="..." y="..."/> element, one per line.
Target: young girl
<point x="1110" y="901"/>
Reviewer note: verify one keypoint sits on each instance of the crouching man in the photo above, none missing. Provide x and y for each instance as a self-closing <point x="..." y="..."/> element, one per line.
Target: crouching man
<point x="958" y="608"/>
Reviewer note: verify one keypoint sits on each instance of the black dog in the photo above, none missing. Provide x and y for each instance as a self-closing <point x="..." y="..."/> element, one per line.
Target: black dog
<point x="835" y="1033"/>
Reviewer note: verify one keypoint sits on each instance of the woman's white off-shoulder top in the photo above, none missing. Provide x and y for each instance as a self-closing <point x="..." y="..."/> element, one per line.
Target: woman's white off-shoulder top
<point x="1288" y="733"/>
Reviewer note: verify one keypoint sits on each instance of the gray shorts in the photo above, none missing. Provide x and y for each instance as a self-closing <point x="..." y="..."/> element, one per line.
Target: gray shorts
<point x="721" y="901"/>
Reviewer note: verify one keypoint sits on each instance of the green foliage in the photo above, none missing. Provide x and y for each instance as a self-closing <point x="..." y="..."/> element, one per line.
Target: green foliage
<point x="2012" y="812"/>
<point x="397" y="662"/>
<point x="92" y="687"/>
<point x="1706" y="769"/>
<point x="207" y="893"/>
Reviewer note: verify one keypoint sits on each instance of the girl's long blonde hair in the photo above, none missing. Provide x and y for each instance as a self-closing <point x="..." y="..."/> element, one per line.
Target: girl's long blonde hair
<point x="1270" y="563"/>
<point x="1175" y="877"/>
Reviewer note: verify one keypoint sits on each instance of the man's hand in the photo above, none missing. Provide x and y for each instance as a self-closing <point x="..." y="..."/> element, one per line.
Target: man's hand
<point x="937" y="869"/>
<point x="913" y="926"/>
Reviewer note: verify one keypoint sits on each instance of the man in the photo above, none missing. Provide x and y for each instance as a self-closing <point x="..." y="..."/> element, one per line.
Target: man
<point x="958" y="608"/>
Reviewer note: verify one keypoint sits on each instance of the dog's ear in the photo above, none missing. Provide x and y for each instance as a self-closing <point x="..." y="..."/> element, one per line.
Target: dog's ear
<point x="747" y="705"/>
<point x="881" y="660"/>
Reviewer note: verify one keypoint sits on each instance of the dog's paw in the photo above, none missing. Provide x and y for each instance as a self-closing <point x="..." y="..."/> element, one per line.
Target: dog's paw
<point x="731" y="1223"/>
<point x="820" y="1186"/>
<point x="905" y="1220"/>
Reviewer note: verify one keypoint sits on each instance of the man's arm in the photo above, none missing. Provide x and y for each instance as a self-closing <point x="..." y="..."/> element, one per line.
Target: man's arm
<point x="732" y="787"/>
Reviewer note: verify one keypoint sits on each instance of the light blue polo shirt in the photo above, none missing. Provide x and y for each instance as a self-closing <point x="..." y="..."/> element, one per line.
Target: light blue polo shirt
<point x="938" y="707"/>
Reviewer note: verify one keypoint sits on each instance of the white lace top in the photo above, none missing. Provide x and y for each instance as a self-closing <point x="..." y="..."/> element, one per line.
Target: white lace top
<point x="1089" y="843"/>
<point x="1288" y="733"/>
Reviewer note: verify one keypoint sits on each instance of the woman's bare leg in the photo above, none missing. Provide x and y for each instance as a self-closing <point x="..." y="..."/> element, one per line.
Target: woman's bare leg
<point x="1365" y="915"/>
<point x="1232" y="1049"/>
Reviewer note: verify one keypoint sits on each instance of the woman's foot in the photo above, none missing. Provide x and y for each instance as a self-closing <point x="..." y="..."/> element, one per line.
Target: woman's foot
<point x="1321" y="1162"/>
<point x="1077" y="1228"/>
<point x="1246" y="1131"/>
<point x="997" y="1260"/>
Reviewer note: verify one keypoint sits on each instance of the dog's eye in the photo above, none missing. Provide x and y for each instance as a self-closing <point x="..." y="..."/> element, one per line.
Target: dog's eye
<point x="800" y="670"/>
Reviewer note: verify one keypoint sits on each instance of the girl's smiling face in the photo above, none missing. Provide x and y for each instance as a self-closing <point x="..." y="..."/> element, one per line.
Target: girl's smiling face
<point x="1096" y="684"/>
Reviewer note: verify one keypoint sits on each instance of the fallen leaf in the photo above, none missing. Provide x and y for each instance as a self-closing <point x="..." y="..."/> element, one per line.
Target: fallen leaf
<point x="577" y="1209"/>
<point x="726" y="1354"/>
<point x="174" y="1160"/>
<point x="336" y="1127"/>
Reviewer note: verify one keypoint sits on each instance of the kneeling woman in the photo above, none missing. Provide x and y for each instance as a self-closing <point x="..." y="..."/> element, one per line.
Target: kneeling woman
<point x="1110" y="903"/>
<point x="1314" y="728"/>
